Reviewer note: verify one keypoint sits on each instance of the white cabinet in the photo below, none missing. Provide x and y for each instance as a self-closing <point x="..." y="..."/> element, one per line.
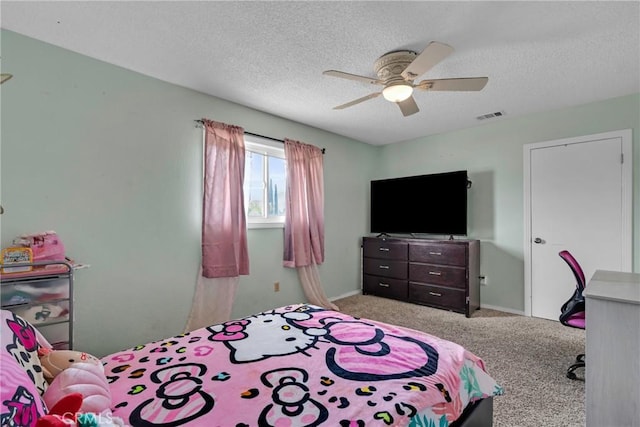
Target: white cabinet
<point x="43" y="297"/>
<point x="613" y="345"/>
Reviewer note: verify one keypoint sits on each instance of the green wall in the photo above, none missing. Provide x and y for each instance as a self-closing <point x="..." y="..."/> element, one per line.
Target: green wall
<point x="493" y="155"/>
<point x="112" y="161"/>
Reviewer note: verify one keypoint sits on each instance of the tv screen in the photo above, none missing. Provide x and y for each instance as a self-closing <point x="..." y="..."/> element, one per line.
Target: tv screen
<point x="429" y="204"/>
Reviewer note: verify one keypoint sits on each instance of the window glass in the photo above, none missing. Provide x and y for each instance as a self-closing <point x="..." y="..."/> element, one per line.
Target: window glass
<point x="264" y="182"/>
<point x="254" y="173"/>
<point x="277" y="186"/>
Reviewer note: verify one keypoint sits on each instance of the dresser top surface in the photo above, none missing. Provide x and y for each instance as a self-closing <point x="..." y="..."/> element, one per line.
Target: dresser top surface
<point x="418" y="240"/>
<point x="614" y="286"/>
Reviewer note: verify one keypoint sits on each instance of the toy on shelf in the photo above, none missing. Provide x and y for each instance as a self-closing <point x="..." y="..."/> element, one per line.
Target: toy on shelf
<point x="16" y="255"/>
<point x="46" y="246"/>
<point x="36" y="254"/>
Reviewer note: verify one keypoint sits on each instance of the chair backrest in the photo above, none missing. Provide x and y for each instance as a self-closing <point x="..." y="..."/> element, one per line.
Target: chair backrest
<point x="572" y="312"/>
<point x="575" y="268"/>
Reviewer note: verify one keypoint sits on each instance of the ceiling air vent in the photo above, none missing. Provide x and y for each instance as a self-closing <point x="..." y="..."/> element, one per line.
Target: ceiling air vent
<point x="491" y="115"/>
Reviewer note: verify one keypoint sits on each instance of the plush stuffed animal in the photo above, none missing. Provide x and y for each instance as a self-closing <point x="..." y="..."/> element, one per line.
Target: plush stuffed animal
<point x="62" y="413"/>
<point x="55" y="361"/>
<point x="71" y="372"/>
<point x="87" y="379"/>
<point x="67" y="413"/>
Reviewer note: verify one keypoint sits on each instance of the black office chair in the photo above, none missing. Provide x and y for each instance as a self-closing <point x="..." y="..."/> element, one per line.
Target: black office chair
<point x="572" y="313"/>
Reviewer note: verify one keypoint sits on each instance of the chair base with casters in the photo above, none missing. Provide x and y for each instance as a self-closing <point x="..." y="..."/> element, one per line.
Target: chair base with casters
<point x="572" y="313"/>
<point x="580" y="363"/>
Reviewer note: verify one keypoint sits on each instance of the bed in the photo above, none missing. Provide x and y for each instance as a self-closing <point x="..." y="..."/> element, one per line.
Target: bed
<point x="298" y="365"/>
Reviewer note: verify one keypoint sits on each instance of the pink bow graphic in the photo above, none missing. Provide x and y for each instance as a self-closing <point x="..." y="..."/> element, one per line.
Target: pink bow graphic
<point x="232" y="331"/>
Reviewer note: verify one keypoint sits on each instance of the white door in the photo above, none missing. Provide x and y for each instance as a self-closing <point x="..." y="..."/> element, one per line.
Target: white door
<point x="579" y="200"/>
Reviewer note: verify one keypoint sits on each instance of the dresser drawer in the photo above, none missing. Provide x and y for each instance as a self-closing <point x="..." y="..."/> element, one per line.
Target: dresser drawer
<point x="385" y="268"/>
<point x="18" y="293"/>
<point x="438" y="275"/>
<point x="385" y="249"/>
<point x="452" y="299"/>
<point x="388" y="288"/>
<point x="434" y="253"/>
<point x="44" y="313"/>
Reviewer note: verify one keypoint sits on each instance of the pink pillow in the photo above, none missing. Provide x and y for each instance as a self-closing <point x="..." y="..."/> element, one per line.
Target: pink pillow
<point x="21" y="404"/>
<point x="20" y="340"/>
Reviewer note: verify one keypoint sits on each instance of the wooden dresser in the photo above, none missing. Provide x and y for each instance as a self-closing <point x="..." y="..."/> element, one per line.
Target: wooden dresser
<point x="438" y="273"/>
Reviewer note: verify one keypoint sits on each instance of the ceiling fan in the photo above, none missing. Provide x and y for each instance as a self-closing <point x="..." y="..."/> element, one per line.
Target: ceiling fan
<point x="397" y="71"/>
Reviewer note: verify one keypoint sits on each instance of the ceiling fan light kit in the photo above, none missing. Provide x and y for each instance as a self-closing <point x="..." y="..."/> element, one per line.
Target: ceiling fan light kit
<point x="397" y="91"/>
<point x="397" y="70"/>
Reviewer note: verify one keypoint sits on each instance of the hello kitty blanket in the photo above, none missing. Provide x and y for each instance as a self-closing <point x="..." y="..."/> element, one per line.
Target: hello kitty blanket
<point x="298" y="365"/>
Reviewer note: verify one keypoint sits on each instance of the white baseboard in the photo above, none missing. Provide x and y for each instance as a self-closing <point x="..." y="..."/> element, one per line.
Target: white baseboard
<point x="490" y="307"/>
<point x="506" y="310"/>
<point x="348" y="294"/>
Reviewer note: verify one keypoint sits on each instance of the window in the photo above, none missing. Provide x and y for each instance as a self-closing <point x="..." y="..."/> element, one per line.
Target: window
<point x="265" y="182"/>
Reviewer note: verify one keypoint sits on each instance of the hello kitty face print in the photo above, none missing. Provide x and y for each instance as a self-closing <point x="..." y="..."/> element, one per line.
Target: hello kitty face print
<point x="284" y="336"/>
<point x="359" y="350"/>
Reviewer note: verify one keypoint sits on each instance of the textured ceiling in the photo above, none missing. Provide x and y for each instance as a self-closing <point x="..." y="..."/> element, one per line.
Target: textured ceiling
<point x="270" y="55"/>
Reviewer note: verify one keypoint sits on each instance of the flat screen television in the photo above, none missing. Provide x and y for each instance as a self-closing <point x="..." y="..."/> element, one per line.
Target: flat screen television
<point x="425" y="204"/>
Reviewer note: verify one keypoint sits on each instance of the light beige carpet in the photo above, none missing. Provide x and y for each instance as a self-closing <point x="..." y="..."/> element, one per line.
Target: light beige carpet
<point x="527" y="356"/>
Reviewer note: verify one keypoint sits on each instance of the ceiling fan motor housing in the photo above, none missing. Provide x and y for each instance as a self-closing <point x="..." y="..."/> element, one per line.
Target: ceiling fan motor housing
<point x="390" y="66"/>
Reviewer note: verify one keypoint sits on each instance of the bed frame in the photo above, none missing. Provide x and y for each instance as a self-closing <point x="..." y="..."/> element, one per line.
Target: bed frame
<point x="477" y="414"/>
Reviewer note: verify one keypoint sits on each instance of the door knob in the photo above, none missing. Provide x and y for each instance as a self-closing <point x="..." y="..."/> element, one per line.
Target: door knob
<point x="538" y="240"/>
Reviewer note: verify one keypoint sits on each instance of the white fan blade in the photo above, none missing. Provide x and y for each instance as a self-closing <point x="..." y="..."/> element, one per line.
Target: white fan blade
<point x="408" y="106"/>
<point x="358" y="101"/>
<point x="343" y="75"/>
<point x="462" y="84"/>
<point x="430" y="56"/>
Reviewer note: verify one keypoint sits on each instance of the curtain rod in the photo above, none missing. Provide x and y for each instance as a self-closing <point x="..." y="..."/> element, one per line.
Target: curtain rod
<point x="257" y="134"/>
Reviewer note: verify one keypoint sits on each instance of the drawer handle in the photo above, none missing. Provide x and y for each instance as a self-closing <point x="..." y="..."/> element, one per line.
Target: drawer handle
<point x="384" y="267"/>
<point x="384" y="285"/>
<point x="383" y="249"/>
<point x="435" y="273"/>
<point x="435" y="253"/>
<point x="435" y="294"/>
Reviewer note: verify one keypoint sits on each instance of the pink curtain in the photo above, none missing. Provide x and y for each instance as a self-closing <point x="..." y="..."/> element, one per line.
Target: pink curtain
<point x="224" y="233"/>
<point x="212" y="301"/>
<point x="304" y="219"/>
<point x="224" y="230"/>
